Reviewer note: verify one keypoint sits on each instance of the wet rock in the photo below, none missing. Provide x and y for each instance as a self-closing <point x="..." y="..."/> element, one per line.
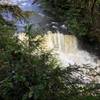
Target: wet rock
<point x="63" y="27"/>
<point x="55" y="23"/>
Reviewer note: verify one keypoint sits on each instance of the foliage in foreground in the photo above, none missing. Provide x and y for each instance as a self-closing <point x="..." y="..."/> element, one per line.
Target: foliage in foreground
<point x="26" y="76"/>
<point x="29" y="73"/>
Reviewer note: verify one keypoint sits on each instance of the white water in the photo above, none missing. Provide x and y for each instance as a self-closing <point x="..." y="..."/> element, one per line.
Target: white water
<point x="67" y="48"/>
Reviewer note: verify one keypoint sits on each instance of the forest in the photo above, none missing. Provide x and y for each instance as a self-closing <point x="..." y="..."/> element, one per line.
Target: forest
<point x="30" y="65"/>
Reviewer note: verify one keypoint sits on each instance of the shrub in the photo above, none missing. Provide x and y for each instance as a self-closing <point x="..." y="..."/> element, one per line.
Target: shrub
<point x="28" y="74"/>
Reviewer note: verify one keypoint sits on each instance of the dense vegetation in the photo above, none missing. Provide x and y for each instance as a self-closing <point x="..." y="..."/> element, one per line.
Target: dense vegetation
<point x="28" y="72"/>
<point x="82" y="17"/>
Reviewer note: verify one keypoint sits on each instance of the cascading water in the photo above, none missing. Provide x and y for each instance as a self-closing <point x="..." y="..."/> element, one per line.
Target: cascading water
<point x="62" y="43"/>
<point x="66" y="49"/>
<point x="65" y="46"/>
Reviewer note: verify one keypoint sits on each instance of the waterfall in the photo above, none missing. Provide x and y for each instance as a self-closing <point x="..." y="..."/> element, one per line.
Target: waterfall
<point x="61" y="43"/>
<point x="66" y="46"/>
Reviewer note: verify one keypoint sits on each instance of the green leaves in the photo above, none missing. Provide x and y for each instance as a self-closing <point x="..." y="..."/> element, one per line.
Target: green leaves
<point x="30" y="75"/>
<point x="78" y="14"/>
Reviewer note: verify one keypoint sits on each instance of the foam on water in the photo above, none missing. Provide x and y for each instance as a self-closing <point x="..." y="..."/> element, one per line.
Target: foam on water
<point x="67" y="48"/>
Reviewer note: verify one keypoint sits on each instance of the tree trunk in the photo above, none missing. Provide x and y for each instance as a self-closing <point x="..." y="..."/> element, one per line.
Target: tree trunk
<point x="92" y="8"/>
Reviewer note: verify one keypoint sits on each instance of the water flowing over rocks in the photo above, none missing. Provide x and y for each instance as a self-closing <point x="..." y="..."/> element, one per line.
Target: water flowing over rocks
<point x="65" y="46"/>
